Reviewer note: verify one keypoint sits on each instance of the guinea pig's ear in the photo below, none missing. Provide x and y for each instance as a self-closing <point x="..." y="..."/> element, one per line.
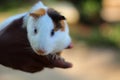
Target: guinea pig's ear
<point x="38" y="13"/>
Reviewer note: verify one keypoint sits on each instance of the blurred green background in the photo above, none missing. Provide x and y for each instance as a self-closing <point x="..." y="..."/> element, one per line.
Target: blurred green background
<point x="94" y="27"/>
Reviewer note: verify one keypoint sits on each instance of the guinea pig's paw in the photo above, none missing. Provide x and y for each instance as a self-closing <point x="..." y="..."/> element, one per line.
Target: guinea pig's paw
<point x="58" y="61"/>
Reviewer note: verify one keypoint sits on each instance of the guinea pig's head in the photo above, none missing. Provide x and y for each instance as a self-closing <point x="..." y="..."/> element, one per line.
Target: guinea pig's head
<point x="47" y="31"/>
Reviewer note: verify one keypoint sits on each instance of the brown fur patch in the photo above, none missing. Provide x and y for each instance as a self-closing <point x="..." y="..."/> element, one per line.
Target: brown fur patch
<point x="59" y="26"/>
<point x="59" y="53"/>
<point x="62" y="25"/>
<point x="40" y="52"/>
<point x="38" y="13"/>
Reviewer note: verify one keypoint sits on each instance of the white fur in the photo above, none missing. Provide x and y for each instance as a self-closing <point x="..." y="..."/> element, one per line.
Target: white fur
<point x="10" y="20"/>
<point x="43" y="39"/>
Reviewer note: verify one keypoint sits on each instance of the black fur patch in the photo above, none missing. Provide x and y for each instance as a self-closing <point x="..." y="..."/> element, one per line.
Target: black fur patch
<point x="56" y="17"/>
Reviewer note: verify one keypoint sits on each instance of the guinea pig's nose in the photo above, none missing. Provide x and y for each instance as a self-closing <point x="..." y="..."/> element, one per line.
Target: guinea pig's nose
<point x="70" y="46"/>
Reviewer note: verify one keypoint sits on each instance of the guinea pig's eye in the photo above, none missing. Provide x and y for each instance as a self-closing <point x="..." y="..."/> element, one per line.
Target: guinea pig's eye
<point x="52" y="32"/>
<point x="35" y="31"/>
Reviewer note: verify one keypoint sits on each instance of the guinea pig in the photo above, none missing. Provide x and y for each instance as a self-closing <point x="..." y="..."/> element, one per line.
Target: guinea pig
<point x="34" y="40"/>
<point x="47" y="30"/>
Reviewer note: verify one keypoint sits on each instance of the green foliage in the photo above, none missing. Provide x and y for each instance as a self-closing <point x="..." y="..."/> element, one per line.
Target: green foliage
<point x="114" y="35"/>
<point x="90" y="8"/>
<point x="89" y="11"/>
<point x="13" y="4"/>
<point x="97" y="38"/>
